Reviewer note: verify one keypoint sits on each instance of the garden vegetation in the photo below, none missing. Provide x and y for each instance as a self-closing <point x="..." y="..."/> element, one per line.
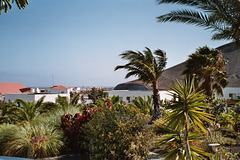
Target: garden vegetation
<point x="112" y="129"/>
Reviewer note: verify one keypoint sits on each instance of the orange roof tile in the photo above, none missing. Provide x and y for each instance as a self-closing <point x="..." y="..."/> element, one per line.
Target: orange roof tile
<point x="7" y="87"/>
<point x="59" y="87"/>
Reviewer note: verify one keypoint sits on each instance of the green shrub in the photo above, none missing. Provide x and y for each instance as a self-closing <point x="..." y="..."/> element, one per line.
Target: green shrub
<point x="34" y="142"/>
<point x="118" y="132"/>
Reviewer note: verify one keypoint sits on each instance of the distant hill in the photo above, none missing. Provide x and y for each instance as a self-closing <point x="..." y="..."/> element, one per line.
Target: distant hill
<point x="231" y="53"/>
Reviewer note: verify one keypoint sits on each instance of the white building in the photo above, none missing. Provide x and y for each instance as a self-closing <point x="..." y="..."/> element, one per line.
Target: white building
<point x="8" y="87"/>
<point x="128" y="95"/>
<point x="230" y="94"/>
<point x="129" y="91"/>
<point x="29" y="97"/>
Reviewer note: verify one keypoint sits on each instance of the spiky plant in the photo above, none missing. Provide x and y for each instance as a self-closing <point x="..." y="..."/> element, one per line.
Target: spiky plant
<point x="188" y="110"/>
<point x="34" y="142"/>
<point x="174" y="146"/>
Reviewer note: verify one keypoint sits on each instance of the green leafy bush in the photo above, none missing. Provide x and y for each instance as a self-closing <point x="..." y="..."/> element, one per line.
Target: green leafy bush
<point x="118" y="132"/>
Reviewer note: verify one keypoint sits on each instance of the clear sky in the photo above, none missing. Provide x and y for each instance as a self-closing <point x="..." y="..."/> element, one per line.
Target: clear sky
<point x="78" y="42"/>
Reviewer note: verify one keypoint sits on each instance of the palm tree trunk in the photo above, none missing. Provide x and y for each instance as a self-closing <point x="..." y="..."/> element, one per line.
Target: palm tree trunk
<point x="156" y="102"/>
<point x="187" y="147"/>
<point x="207" y="86"/>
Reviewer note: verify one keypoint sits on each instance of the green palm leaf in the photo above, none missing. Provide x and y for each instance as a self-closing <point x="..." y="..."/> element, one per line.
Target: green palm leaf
<point x="7" y="4"/>
<point x="222" y="17"/>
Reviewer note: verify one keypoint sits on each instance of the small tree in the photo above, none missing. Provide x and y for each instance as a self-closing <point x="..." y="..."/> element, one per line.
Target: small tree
<point x="96" y="94"/>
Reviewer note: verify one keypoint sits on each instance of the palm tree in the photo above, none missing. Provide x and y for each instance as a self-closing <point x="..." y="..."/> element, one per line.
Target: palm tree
<point x="187" y="110"/>
<point x="7" y="4"/>
<point x="148" y="67"/>
<point x="221" y="16"/>
<point x="27" y="111"/>
<point x="207" y="65"/>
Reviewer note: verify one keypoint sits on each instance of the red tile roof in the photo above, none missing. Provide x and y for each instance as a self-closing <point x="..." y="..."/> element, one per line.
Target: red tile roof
<point x="59" y="87"/>
<point x="7" y="87"/>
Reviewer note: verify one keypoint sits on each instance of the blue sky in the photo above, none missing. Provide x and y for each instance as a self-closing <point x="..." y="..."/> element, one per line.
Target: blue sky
<point x="78" y="42"/>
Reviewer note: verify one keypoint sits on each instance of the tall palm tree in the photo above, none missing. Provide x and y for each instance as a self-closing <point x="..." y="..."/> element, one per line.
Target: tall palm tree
<point x="207" y="65"/>
<point x="147" y="67"/>
<point x="27" y="111"/>
<point x="7" y="4"/>
<point x="221" y="16"/>
<point x="187" y="110"/>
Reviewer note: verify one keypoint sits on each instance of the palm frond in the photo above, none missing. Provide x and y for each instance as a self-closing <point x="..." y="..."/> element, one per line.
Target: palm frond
<point x="7" y="4"/>
<point x="186" y="16"/>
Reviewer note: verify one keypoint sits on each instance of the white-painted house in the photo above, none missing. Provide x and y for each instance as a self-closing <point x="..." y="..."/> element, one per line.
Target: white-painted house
<point x="129" y="91"/>
<point x="230" y="94"/>
<point x="128" y="95"/>
<point x="29" y="97"/>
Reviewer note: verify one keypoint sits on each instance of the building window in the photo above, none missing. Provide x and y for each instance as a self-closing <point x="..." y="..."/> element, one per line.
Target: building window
<point x="232" y="95"/>
<point x="128" y="99"/>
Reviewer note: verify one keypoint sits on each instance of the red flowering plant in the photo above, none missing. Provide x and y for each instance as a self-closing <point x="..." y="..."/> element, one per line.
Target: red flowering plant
<point x="72" y="127"/>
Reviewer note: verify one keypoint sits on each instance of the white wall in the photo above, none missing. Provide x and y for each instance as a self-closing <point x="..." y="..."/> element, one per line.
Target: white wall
<point x="59" y="91"/>
<point x="34" y="97"/>
<point x="123" y="94"/>
<point x="1" y="97"/>
<point x="14" y="96"/>
<point x="229" y="90"/>
<point x="165" y="95"/>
